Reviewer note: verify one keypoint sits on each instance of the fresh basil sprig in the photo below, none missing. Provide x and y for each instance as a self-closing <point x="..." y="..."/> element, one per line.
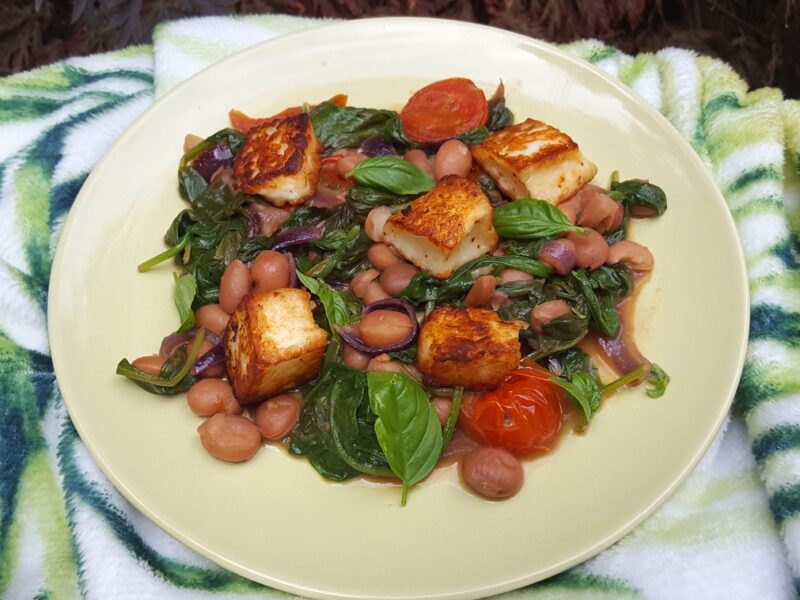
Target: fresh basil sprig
<point x="528" y="219"/>
<point x="408" y="429"/>
<point x="185" y="290"/>
<point x="393" y="174"/>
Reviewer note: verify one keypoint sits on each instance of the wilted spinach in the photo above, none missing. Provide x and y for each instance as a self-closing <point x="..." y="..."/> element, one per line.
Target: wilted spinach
<point x="640" y="194"/>
<point x="584" y="390"/>
<point x="185" y="289"/>
<point x="603" y="314"/>
<point x="230" y="137"/>
<point x="348" y="127"/>
<point x="474" y="136"/>
<point x="500" y="116"/>
<point x="363" y="199"/>
<point x="174" y="377"/>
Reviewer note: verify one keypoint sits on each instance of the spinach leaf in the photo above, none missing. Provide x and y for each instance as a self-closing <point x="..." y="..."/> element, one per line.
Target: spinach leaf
<point x="230" y="137"/>
<point x="185" y="289"/>
<point x="174" y="377"/>
<point x="474" y="136"/>
<point x="531" y="248"/>
<point x="557" y="335"/>
<point x="191" y="184"/>
<point x="603" y="316"/>
<point x="621" y="232"/>
<point x="452" y="418"/>
<point x="408" y="356"/>
<point x="216" y="202"/>
<point x="341" y="308"/>
<point x="408" y="429"/>
<point x="529" y="218"/>
<point x="500" y="116"/>
<point x="616" y="280"/>
<point x="339" y="241"/>
<point x="641" y="194"/>
<point x="348" y="127"/>
<point x="489" y="187"/>
<point x="584" y="390"/>
<point x="393" y="174"/>
<point x="363" y="199"/>
<point x="571" y="361"/>
<point x="659" y="380"/>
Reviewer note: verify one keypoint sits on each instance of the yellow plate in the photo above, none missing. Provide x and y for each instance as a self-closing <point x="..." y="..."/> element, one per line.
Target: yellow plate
<point x="274" y="519"/>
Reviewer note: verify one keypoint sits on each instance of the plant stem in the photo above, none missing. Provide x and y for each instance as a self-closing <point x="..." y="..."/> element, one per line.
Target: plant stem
<point x="623" y="381"/>
<point x="167" y="254"/>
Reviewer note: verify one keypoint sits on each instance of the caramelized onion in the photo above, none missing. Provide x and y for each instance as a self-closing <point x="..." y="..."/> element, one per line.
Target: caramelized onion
<point x="296" y="236"/>
<point x="354" y="341"/>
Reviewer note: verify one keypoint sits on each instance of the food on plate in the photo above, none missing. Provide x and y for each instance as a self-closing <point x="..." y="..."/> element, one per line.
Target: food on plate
<point x="387" y="291"/>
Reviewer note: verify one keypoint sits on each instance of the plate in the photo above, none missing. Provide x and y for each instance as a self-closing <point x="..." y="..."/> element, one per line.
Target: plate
<point x="273" y="519"/>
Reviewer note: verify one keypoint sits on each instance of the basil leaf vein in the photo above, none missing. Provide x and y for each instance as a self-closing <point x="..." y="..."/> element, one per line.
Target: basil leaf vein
<point x="528" y="219"/>
<point x="392" y="174"/>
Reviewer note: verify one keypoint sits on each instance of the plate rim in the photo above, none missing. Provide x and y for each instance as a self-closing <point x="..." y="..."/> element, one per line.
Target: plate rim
<point x="545" y="47"/>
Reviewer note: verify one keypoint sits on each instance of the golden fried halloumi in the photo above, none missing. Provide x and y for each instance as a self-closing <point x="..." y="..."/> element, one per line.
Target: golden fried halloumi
<point x="280" y="160"/>
<point x="272" y="344"/>
<point x="533" y="159"/>
<point x="469" y="347"/>
<point x="445" y="228"/>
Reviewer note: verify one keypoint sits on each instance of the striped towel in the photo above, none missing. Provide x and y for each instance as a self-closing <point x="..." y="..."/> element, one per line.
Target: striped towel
<point x="731" y="531"/>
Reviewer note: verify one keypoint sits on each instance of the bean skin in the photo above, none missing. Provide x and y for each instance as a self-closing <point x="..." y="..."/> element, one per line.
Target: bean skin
<point x="442" y="406"/>
<point x="635" y="256"/>
<point x="230" y="437"/>
<point x="384" y="327"/>
<point x="481" y="292"/>
<point x="277" y="417"/>
<point x="353" y="358"/>
<point x="547" y="311"/>
<point x="233" y="286"/>
<point x="384" y="362"/>
<point x="591" y="249"/>
<point x="374" y="293"/>
<point x="396" y="278"/>
<point x="212" y="317"/>
<point x="375" y="221"/>
<point x="509" y="275"/>
<point x="270" y="271"/>
<point x="492" y="472"/>
<point x="418" y="158"/>
<point x="150" y="364"/>
<point x="361" y="282"/>
<point x="382" y="256"/>
<point x="211" y="396"/>
<point x="452" y="158"/>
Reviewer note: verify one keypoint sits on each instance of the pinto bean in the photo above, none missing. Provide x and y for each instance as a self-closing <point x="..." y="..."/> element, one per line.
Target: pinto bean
<point x="150" y="364"/>
<point x="384" y="362"/>
<point x="396" y="278"/>
<point x="376" y="219"/>
<point x="374" y="293"/>
<point x="618" y="216"/>
<point x="492" y="472"/>
<point x="481" y="292"/>
<point x="591" y="248"/>
<point x="277" y="417"/>
<point x="233" y="286"/>
<point x="212" y="317"/>
<point x="349" y="159"/>
<point x="353" y="358"/>
<point x="230" y="437"/>
<point x="384" y="328"/>
<point x="270" y="271"/>
<point x="452" y="158"/>
<point x="599" y="213"/>
<point x="211" y="396"/>
<point x="635" y="256"/>
<point x="442" y="406"/>
<point x="418" y="158"/>
<point x="190" y="142"/>
<point x="547" y="311"/>
<point x="382" y="256"/>
<point x="361" y="282"/>
<point x="509" y="275"/>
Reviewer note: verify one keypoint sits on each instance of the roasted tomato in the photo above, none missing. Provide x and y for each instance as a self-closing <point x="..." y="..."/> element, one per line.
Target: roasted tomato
<point x="522" y="414"/>
<point x="443" y="110"/>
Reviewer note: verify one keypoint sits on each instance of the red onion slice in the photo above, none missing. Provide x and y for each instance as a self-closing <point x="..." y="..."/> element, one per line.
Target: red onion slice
<point x="295" y="236"/>
<point x="560" y="255"/>
<point x="174" y="341"/>
<point x="213" y="357"/>
<point x="377" y="146"/>
<point x="352" y="339"/>
<point x="209" y="160"/>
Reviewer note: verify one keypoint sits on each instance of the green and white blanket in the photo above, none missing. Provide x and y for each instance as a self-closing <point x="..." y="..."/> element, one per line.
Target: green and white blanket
<point x="731" y="531"/>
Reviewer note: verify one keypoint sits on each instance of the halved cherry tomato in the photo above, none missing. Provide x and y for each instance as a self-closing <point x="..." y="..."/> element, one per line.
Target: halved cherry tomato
<point x="443" y="110"/>
<point x="523" y="414"/>
<point x="241" y="122"/>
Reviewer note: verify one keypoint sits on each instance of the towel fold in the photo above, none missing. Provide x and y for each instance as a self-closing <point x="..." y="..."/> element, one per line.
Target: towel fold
<point x="731" y="531"/>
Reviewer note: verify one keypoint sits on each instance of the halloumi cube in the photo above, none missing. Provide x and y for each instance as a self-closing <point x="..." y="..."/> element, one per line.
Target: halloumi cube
<point x="469" y="347"/>
<point x="448" y="226"/>
<point x="533" y="159"/>
<point x="272" y="344"/>
<point x="280" y="160"/>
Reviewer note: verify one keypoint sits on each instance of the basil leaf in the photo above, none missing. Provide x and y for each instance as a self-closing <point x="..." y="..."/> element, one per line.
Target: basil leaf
<point x="584" y="390"/>
<point x="341" y="308"/>
<point x="529" y="218"/>
<point x="185" y="290"/>
<point x="604" y="316"/>
<point x="643" y="194"/>
<point x="408" y="429"/>
<point x="659" y="380"/>
<point x="393" y="174"/>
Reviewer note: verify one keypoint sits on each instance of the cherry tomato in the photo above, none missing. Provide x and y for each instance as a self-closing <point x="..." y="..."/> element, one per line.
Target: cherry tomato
<point x="523" y="414"/>
<point x="241" y="122"/>
<point x="443" y="110"/>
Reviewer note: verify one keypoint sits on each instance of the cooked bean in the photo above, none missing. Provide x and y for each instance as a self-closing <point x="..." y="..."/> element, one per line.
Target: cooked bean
<point x="211" y="396"/>
<point x="349" y="159"/>
<point x="212" y="317"/>
<point x="442" y="406"/>
<point x="547" y="311"/>
<point x="396" y="278"/>
<point x="277" y="417"/>
<point x="618" y="216"/>
<point x="384" y="362"/>
<point x="384" y="328"/>
<point x="376" y="219"/>
<point x="591" y="249"/>
<point x="230" y="437"/>
<point x="598" y="213"/>
<point x="635" y="256"/>
<point x="353" y="358"/>
<point x="270" y="271"/>
<point x="190" y="141"/>
<point x="150" y="364"/>
<point x="498" y="299"/>
<point x="233" y="286"/>
<point x="492" y="472"/>
<point x="509" y="275"/>
<point x="418" y="158"/>
<point x="452" y="158"/>
<point x="361" y="282"/>
<point x="572" y="208"/>
<point x="643" y="211"/>
<point x="217" y="370"/>
<point x="374" y="293"/>
<point x="481" y="292"/>
<point x="382" y="256"/>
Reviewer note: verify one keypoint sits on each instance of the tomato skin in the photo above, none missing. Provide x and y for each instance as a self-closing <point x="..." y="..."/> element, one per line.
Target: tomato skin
<point x="443" y="110"/>
<point x="521" y="415"/>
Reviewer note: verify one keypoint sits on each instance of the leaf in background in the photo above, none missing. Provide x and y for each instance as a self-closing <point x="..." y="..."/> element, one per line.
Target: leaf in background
<point x="185" y="290"/>
<point x="528" y="219"/>
<point x="659" y="380"/>
<point x="584" y="390"/>
<point x="408" y="429"/>
<point x="604" y="316"/>
<point x="393" y="174"/>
